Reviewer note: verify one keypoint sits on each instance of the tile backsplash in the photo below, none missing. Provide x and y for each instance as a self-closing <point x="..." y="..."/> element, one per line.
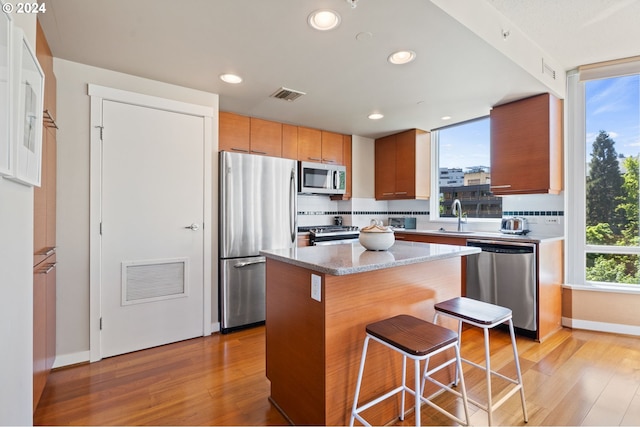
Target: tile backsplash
<point x="544" y="212"/>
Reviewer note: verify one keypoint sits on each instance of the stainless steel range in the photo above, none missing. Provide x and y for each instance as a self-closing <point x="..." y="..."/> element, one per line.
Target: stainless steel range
<point x="332" y="234"/>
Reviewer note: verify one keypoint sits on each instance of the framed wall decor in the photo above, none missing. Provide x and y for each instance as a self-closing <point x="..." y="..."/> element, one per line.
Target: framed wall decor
<point x="6" y="152"/>
<point x="29" y="98"/>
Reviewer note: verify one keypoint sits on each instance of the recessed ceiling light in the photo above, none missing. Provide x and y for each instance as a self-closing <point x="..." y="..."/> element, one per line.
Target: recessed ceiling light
<point x="376" y="116"/>
<point x="402" y="57"/>
<point x="324" y="19"/>
<point x="230" y="78"/>
<point x="445" y="117"/>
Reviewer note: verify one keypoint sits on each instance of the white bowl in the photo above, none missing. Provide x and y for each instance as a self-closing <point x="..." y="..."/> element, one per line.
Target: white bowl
<point x="377" y="240"/>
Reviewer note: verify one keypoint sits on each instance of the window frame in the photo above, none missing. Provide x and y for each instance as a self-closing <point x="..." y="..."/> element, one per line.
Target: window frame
<point x="434" y="201"/>
<point x="576" y="246"/>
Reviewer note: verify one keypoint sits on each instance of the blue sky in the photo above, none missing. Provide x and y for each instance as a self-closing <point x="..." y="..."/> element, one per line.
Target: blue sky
<point x="465" y="146"/>
<point x="613" y="105"/>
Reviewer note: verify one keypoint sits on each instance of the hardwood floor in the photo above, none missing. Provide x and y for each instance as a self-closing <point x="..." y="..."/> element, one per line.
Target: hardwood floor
<point x="573" y="378"/>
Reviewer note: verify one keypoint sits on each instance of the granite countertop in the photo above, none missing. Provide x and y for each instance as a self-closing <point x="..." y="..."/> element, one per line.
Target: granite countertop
<point x="352" y="258"/>
<point x="486" y="235"/>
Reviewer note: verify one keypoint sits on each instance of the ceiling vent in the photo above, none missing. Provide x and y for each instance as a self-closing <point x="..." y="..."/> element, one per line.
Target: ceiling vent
<point x="287" y="94"/>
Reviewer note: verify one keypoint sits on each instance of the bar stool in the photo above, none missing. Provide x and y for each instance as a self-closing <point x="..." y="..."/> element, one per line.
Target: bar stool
<point x="418" y="340"/>
<point x="485" y="316"/>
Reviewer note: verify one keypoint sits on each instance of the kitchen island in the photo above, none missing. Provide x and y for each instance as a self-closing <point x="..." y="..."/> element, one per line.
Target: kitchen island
<point x="319" y="300"/>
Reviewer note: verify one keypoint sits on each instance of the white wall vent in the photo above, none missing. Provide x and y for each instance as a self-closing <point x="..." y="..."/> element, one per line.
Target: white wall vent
<point x="546" y="69"/>
<point x="145" y="281"/>
<point x="287" y="94"/>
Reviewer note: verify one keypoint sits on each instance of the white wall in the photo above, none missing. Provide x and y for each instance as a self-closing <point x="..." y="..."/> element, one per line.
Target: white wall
<point x="362" y="165"/>
<point x="73" y="193"/>
<point x="16" y="288"/>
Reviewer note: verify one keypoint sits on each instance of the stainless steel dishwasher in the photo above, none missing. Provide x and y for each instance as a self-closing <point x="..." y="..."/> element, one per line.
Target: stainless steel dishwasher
<point x="504" y="273"/>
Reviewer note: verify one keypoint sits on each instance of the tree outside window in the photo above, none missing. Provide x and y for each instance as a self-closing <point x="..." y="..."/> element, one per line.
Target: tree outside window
<point x="612" y="192"/>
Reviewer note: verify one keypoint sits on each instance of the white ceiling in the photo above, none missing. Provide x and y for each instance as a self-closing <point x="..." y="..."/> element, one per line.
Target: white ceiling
<point x="345" y="77"/>
<point x="578" y="32"/>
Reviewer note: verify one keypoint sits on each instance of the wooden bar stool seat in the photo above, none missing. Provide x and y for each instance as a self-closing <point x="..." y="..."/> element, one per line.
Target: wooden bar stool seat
<point x="418" y="340"/>
<point x="486" y="316"/>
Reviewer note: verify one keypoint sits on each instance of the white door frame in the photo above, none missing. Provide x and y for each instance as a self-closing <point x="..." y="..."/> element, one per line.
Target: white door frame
<point x="98" y="94"/>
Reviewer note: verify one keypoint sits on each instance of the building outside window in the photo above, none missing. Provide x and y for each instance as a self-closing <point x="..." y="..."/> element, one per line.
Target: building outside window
<point x="465" y="170"/>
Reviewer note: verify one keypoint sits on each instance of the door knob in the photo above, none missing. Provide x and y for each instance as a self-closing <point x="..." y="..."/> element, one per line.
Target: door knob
<point x="193" y="226"/>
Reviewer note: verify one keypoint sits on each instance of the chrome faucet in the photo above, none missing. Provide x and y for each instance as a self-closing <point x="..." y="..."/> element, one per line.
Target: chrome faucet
<point x="456" y="209"/>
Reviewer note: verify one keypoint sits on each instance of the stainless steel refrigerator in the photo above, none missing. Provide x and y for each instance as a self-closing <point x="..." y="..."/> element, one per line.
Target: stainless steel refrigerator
<point x="257" y="211"/>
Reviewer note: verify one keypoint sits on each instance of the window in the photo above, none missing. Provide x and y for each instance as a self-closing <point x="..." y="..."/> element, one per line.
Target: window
<point x="465" y="170"/>
<point x="612" y="129"/>
<point x="604" y="240"/>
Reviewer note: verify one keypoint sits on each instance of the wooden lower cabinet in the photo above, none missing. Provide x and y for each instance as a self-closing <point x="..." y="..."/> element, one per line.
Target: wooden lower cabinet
<point x="443" y="240"/>
<point x="550" y="264"/>
<point x="313" y="348"/>
<point x="44" y="324"/>
<point x="549" y="276"/>
<point x="44" y="233"/>
<point x="303" y="240"/>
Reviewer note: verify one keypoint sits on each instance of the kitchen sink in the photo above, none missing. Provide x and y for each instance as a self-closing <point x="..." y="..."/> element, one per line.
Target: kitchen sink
<point x="442" y="230"/>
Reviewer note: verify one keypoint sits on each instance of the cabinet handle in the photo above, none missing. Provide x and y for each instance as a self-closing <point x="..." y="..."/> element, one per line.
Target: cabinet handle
<point x="328" y="160"/>
<point x="258" y="152"/>
<point x="401" y="192"/>
<point x="48" y="269"/>
<point x="387" y="194"/>
<point x="49" y="251"/>
<point x="500" y="186"/>
<point x="315" y="159"/>
<point x="398" y="237"/>
<point x="242" y="150"/>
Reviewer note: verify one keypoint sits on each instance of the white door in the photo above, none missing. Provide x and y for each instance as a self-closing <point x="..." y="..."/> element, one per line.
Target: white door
<point x="152" y="217"/>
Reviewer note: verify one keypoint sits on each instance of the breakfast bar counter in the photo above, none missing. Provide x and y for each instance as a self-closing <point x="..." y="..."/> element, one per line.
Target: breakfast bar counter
<point x="319" y="300"/>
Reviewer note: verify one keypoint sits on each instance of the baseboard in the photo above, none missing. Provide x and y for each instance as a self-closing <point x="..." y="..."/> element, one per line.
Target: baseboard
<point x="71" y="359"/>
<point x="215" y="327"/>
<point x="590" y="325"/>
<point x="84" y="356"/>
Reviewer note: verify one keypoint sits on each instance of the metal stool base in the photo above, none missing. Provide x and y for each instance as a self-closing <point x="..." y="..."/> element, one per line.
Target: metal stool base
<point x="490" y="406"/>
<point x="420" y="381"/>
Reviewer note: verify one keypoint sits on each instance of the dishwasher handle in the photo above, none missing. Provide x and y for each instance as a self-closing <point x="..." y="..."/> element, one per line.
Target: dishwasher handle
<point x="501" y="247"/>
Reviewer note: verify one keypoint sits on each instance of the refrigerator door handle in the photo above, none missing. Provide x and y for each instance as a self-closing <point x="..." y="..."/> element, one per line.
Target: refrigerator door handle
<point x="248" y="263"/>
<point x="292" y="205"/>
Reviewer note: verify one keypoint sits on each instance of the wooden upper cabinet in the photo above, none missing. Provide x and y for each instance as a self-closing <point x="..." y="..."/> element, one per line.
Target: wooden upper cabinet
<point x="405" y="165"/>
<point x="45" y="59"/>
<point x="309" y="144"/>
<point x="402" y="166"/>
<point x="346" y="160"/>
<point x="290" y="142"/>
<point x="266" y="137"/>
<point x="385" y="167"/>
<point x="332" y="148"/>
<point x="50" y="157"/>
<point x="526" y="146"/>
<point x="249" y="135"/>
<point x="234" y="132"/>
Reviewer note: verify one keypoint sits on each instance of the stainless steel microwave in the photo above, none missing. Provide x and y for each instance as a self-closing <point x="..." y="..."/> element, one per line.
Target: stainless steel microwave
<point x="320" y="178"/>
